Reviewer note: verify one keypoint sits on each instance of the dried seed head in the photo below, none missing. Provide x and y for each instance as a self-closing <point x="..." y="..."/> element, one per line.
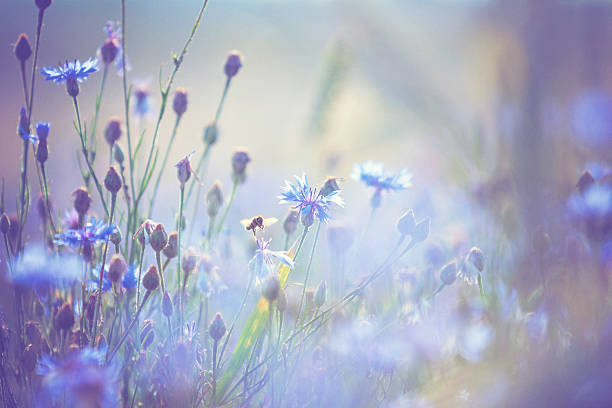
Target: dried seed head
<point x="190" y="260"/>
<point x="476" y="257"/>
<point x="291" y="222"/>
<point x="151" y="279"/>
<point x="5" y="223"/>
<point x="448" y="273"/>
<point x="216" y="330"/>
<point x="214" y="199"/>
<point x="113" y="132"/>
<point x="240" y="159"/>
<point x="116" y="268"/>
<point x="64" y="318"/>
<point x="210" y="134"/>
<point x="271" y="287"/>
<point x="320" y="295"/>
<point x="112" y="181"/>
<point x="109" y="50"/>
<point x="180" y="102"/>
<point x="158" y="238"/>
<point x="329" y="186"/>
<point x="233" y="64"/>
<point x="167" y="306"/>
<point x="23" y="50"/>
<point x="407" y="223"/>
<point x="170" y="251"/>
<point x="82" y="200"/>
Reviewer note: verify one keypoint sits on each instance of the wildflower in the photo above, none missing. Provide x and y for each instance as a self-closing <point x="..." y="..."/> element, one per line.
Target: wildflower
<point x="82" y="200"/>
<point x="112" y="181"/>
<point x="210" y="134"/>
<point x="117" y="267"/>
<point x="214" y="199"/>
<point x="113" y="131"/>
<point x="309" y="201"/>
<point x="179" y="104"/>
<point x="42" y="4"/>
<point x="184" y="170"/>
<point x="271" y="287"/>
<point x="158" y="238"/>
<point x="151" y="279"/>
<point x="240" y="159"/>
<point x="448" y="273"/>
<point x="72" y="73"/>
<point x="92" y="233"/>
<point x="374" y="175"/>
<point x="167" y="307"/>
<point x="320" y="295"/>
<point x="23" y="50"/>
<point x="217" y="328"/>
<point x="233" y="64"/>
<point x="42" y="133"/>
<point x="35" y="268"/>
<point x="80" y="379"/>
<point x="263" y="261"/>
<point x="170" y="251"/>
<point x="291" y="221"/>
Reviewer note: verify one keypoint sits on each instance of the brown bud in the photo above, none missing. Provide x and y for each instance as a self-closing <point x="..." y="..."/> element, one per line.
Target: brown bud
<point x="116" y="268"/>
<point x="233" y="64"/>
<point x="151" y="279"/>
<point x="170" y="251"/>
<point x="271" y="287"/>
<point x="82" y="200"/>
<point x="240" y="159"/>
<point x="291" y="222"/>
<point x="180" y="101"/>
<point x="216" y="330"/>
<point x="23" y="50"/>
<point x="329" y="186"/>
<point x="64" y="318"/>
<point x="158" y="238"/>
<point x="112" y="181"/>
<point x="109" y="50"/>
<point x="190" y="260"/>
<point x="112" y="133"/>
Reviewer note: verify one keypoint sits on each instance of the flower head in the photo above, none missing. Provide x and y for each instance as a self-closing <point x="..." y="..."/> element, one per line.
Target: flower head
<point x="374" y="175"/>
<point x="112" y="49"/>
<point x="72" y="72"/>
<point x="92" y="233"/>
<point x="264" y="261"/>
<point x="308" y="200"/>
<point x="184" y="170"/>
<point x="35" y="268"/>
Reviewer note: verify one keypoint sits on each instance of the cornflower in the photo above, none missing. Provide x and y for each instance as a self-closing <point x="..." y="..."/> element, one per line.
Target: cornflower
<point x="92" y="233"/>
<point x="72" y="72"/>
<point x="264" y="261"/>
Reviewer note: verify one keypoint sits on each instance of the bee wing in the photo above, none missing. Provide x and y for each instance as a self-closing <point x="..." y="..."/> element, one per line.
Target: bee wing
<point x="269" y="221"/>
<point x="245" y="223"/>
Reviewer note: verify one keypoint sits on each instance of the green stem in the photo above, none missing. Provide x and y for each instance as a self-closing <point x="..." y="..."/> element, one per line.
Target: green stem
<point x="178" y="263"/>
<point x="161" y="272"/>
<point x="314" y="247"/>
<point x="139" y="275"/>
<point x="46" y="192"/>
<point x="163" y="166"/>
<point x="227" y="208"/>
<point x="127" y="332"/>
<point x="94" y="124"/>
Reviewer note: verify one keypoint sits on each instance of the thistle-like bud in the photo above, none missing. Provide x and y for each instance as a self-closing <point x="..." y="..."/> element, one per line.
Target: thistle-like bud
<point x="64" y="318"/>
<point x="190" y="260"/>
<point x="113" y="131"/>
<point x="291" y="222"/>
<point x="214" y="199"/>
<point x="476" y="257"/>
<point x="407" y="223"/>
<point x="329" y="186"/>
<point x="281" y="301"/>
<point x="448" y="273"/>
<point x="240" y="159"/>
<point x="421" y="232"/>
<point x="42" y="4"/>
<point x="183" y="170"/>
<point x="167" y="306"/>
<point x="151" y="279"/>
<point x="116" y="268"/>
<point x="180" y="102"/>
<point x="109" y="50"/>
<point x="112" y="181"/>
<point x="158" y="238"/>
<point x="233" y="64"/>
<point x="307" y="218"/>
<point x="119" y="156"/>
<point x="5" y="223"/>
<point x="116" y="236"/>
<point x="271" y="287"/>
<point x="320" y="295"/>
<point x="82" y="200"/>
<point x="23" y="50"/>
<point x="216" y="330"/>
<point x="210" y="134"/>
<point x="170" y="251"/>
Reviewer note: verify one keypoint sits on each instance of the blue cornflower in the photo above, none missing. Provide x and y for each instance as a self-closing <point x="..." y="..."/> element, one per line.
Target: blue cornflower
<point x="128" y="282"/>
<point x="309" y="201"/>
<point x="92" y="233"/>
<point x="263" y="262"/>
<point x="374" y="175"/>
<point x="81" y="378"/>
<point x="72" y="72"/>
<point x="35" y="268"/>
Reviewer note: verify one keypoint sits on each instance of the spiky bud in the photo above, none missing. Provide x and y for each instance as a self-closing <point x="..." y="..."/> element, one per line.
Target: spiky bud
<point x="116" y="268"/>
<point x="210" y="134"/>
<point x="170" y="251"/>
<point x="240" y="159"/>
<point x="233" y="64"/>
<point x="320" y="295"/>
<point x="64" y="318"/>
<point x="329" y="186"/>
<point x="476" y="257"/>
<point x="158" y="238"/>
<point x="109" y="50"/>
<point x="5" y="223"/>
<point x="216" y="330"/>
<point x="167" y="306"/>
<point x="291" y="221"/>
<point x="180" y="102"/>
<point x="113" y="131"/>
<point x="271" y="287"/>
<point x="23" y="50"/>
<point x="448" y="273"/>
<point x="214" y="199"/>
<point x="112" y="181"/>
<point x="82" y="200"/>
<point x="183" y="171"/>
<point x="151" y="279"/>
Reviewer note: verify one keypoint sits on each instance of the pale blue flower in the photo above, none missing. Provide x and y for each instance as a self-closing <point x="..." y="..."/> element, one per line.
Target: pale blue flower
<point x="374" y="175"/>
<point x="92" y="233"/>
<point x="36" y="268"/>
<point x="309" y="200"/>
<point x="265" y="260"/>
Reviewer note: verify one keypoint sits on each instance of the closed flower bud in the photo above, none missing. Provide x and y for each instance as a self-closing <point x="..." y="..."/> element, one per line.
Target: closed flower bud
<point x="282" y="302"/>
<point x="42" y="151"/>
<point x="407" y="223"/>
<point x="180" y="102"/>
<point x="23" y="50"/>
<point x="240" y="159"/>
<point x="42" y="4"/>
<point x="113" y="131"/>
<point x="158" y="238"/>
<point x="116" y="236"/>
<point x="82" y="200"/>
<point x="170" y="251"/>
<point x="233" y="64"/>
<point x="320" y="295"/>
<point x="64" y="318"/>
<point x="23" y="130"/>
<point x="167" y="306"/>
<point x="214" y="199"/>
<point x="271" y="287"/>
<point x="421" y="232"/>
<point x="190" y="260"/>
<point x="291" y="222"/>
<point x="448" y="273"/>
<point x="183" y="170"/>
<point x="29" y="359"/>
<point x="585" y="181"/>
<point x="329" y="186"/>
<point x="112" y="181"/>
<point x="151" y="279"/>
<point x="116" y="268"/>
<point x="109" y="50"/>
<point x="210" y="134"/>
<point x="476" y="257"/>
<point x="5" y="223"/>
<point x="147" y="334"/>
<point x="119" y="156"/>
<point x="216" y="330"/>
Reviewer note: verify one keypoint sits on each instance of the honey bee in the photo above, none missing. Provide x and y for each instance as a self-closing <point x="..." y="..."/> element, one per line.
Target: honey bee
<point x="257" y="222"/>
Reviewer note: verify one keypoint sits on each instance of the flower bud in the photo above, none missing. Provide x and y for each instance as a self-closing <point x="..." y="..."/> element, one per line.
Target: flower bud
<point x="307" y="218"/>
<point x="113" y="131"/>
<point x="116" y="236"/>
<point x="119" y="156"/>
<point x="147" y="334"/>
<point x="320" y="295"/>
<point x="407" y="223"/>
<point x="291" y="222"/>
<point x="64" y="318"/>
<point x="158" y="238"/>
<point x="170" y="251"/>
<point x="271" y="287"/>
<point x="112" y="181"/>
<point x="183" y="170"/>
<point x="281" y="301"/>
<point x="216" y="330"/>
<point x="42" y="4"/>
<point x="214" y="199"/>
<point x="448" y="273"/>
<point x="210" y="134"/>
<point x="42" y="151"/>
<point x="116" y="268"/>
<point x="240" y="159"/>
<point x="82" y="200"/>
<point x="190" y="260"/>
<point x="476" y="257"/>
<point x="421" y="232"/>
<point x="109" y="50"/>
<point x="329" y="186"/>
<point x="151" y="279"/>
<point x="167" y="305"/>
<point x="5" y="223"/>
<point x="233" y="64"/>
<point x="180" y="102"/>
<point x="23" y="50"/>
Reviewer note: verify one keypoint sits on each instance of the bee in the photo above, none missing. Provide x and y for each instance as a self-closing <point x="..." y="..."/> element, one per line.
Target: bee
<point x="257" y="222"/>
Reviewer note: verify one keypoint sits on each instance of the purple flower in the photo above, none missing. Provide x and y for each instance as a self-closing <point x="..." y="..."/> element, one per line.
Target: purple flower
<point x="22" y="129"/>
<point x="308" y="200"/>
<point x="74" y="70"/>
<point x="42" y="131"/>
<point x="263" y="262"/>
<point x="374" y="175"/>
<point x="92" y="233"/>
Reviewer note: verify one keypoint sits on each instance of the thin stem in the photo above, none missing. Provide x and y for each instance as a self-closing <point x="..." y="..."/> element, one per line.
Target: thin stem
<point x="227" y="208"/>
<point x="139" y="275"/>
<point x="36" y="47"/>
<point x="163" y="165"/>
<point x="161" y="271"/>
<point x="127" y="331"/>
<point x="94" y="123"/>
<point x="178" y="262"/>
<point x="314" y="247"/>
<point x="46" y="193"/>
<point x="24" y="186"/>
<point x="25" y="85"/>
